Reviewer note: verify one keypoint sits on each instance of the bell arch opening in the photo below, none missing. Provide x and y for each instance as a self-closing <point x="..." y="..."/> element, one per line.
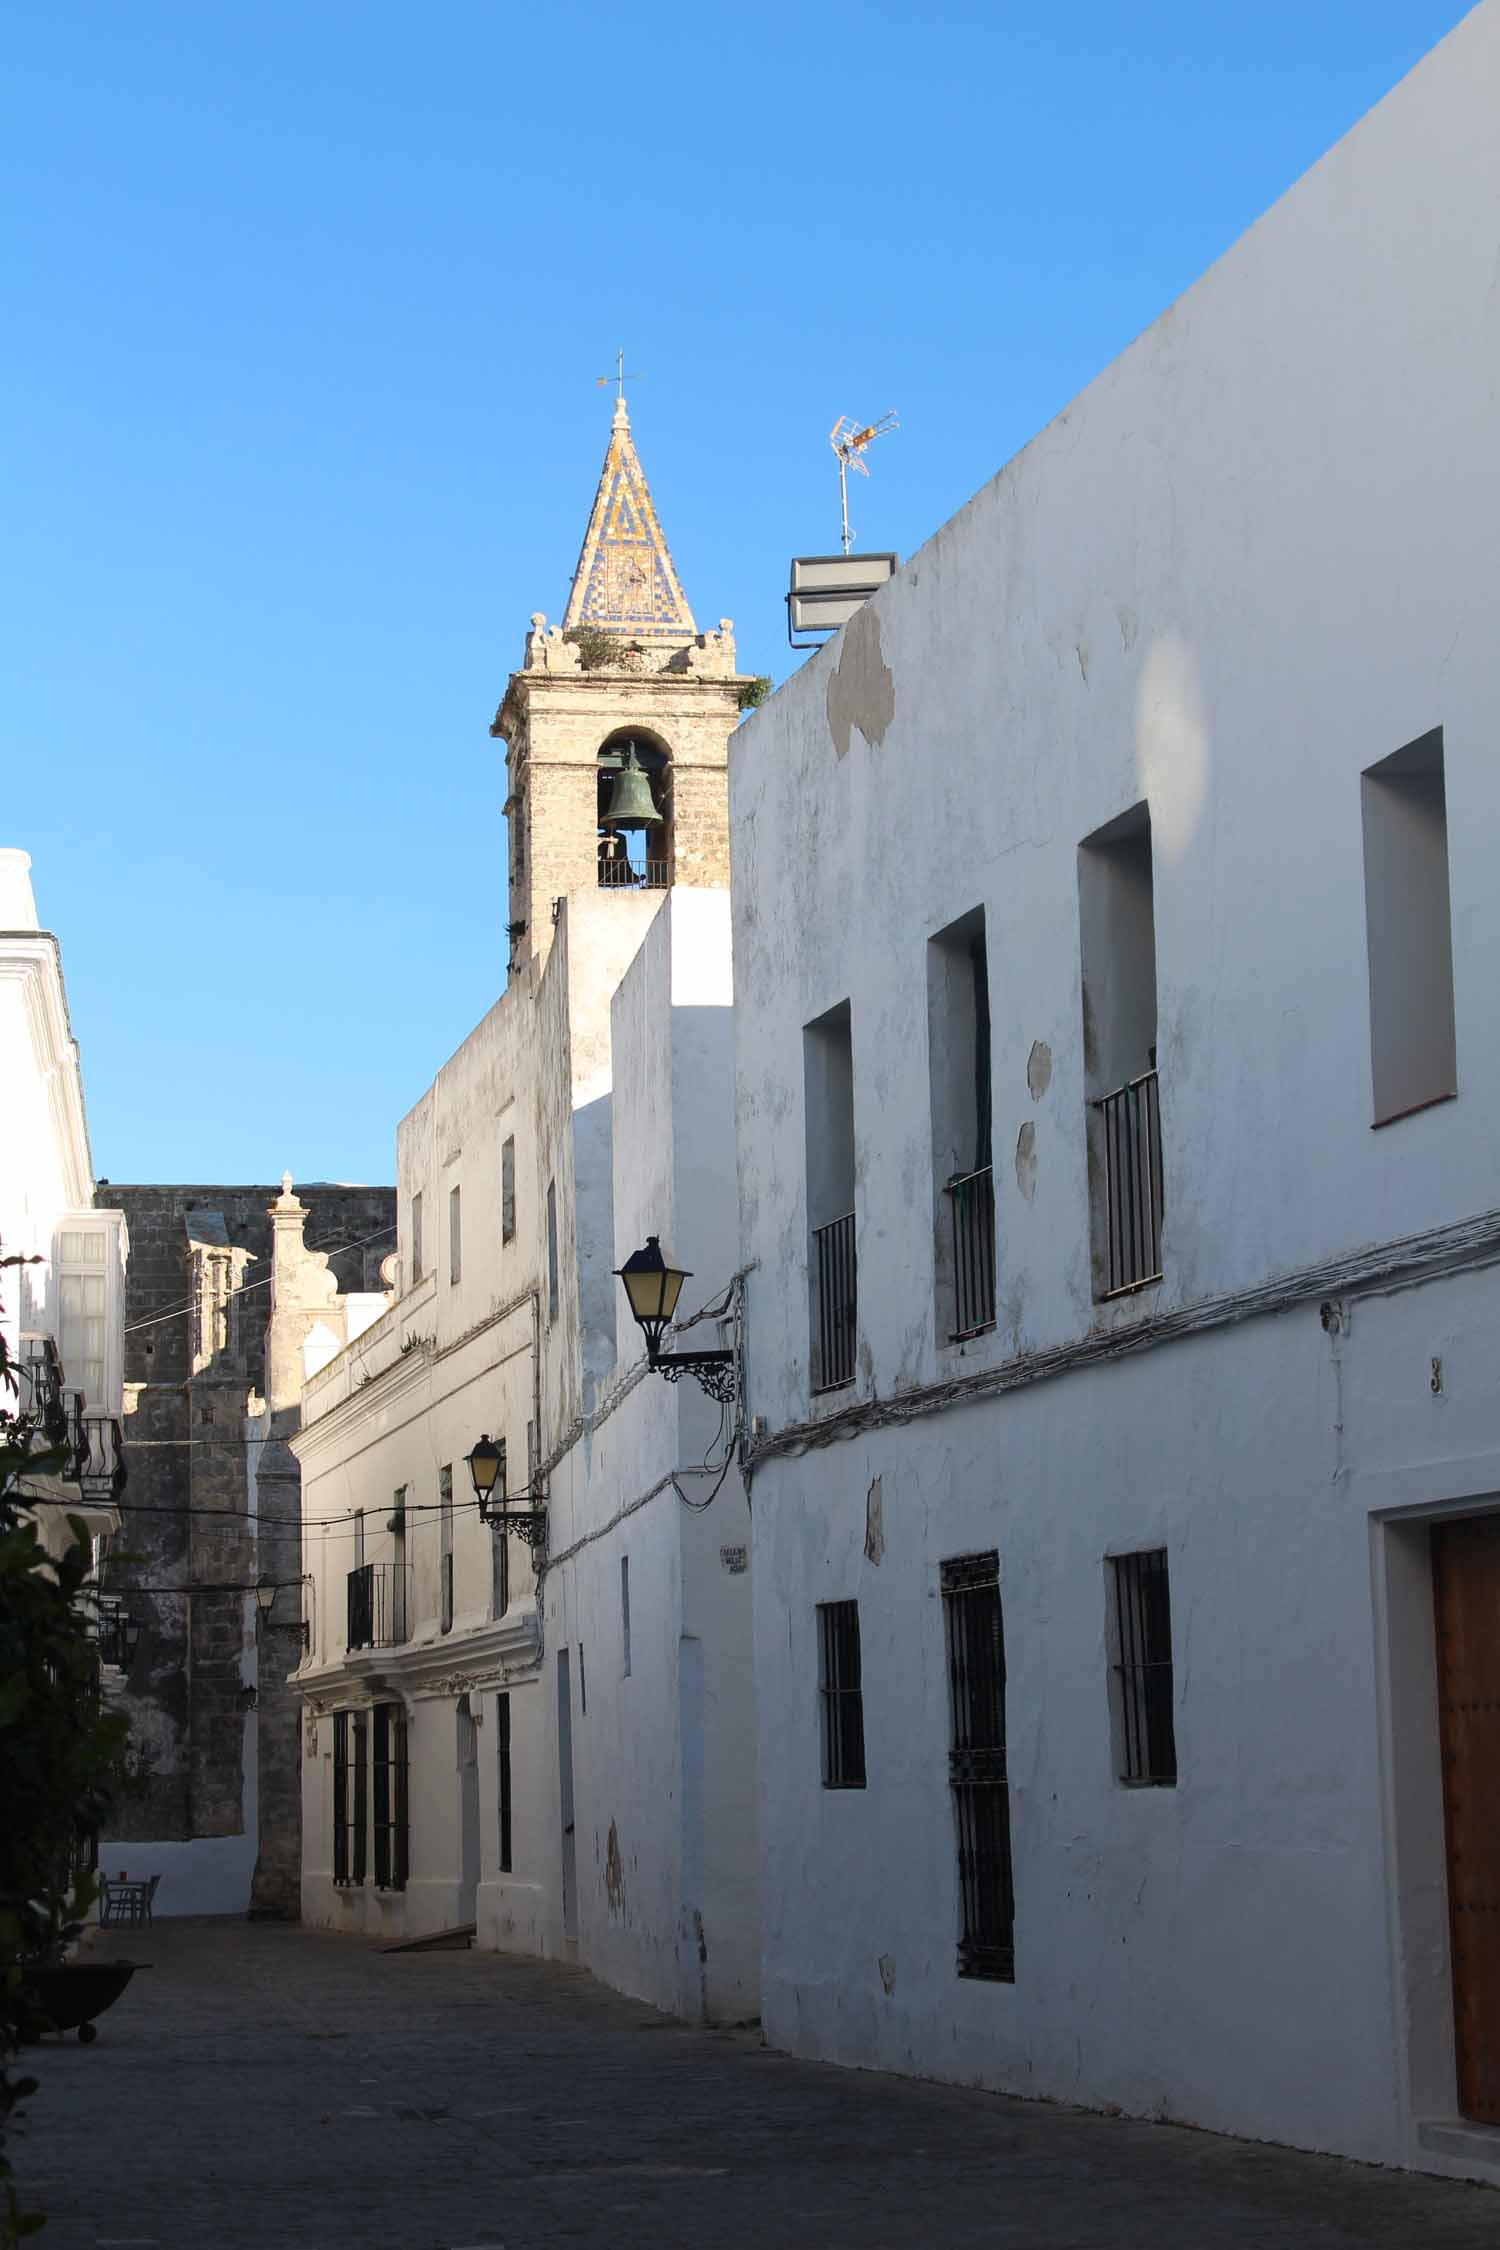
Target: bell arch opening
<point x="634" y="811"/>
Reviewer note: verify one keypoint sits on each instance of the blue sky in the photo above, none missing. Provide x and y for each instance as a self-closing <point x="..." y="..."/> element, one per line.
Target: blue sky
<point x="304" y="310"/>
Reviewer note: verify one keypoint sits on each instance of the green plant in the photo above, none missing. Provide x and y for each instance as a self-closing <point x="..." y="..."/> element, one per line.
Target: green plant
<point x="60" y="1753"/>
<point x="598" y="651"/>
<point x="753" y="693"/>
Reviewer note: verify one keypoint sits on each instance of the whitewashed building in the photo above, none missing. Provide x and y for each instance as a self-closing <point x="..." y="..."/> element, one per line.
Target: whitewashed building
<point x="550" y="1737"/>
<point x="1116" y="932"/>
<point x="63" y="1310"/>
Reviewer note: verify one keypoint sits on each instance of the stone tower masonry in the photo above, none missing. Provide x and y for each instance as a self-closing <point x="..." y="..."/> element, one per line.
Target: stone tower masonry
<point x="627" y="663"/>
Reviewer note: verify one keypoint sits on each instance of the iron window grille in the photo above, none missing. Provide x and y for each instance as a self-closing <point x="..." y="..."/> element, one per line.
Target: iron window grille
<point x="350" y="1795"/>
<point x="361" y="1820"/>
<point x="375" y="1605"/>
<point x="502" y="1740"/>
<point x="977" y="1771"/>
<point x="391" y="1848"/>
<point x="1130" y="1124"/>
<point x="341" y="1796"/>
<point x="841" y="1695"/>
<point x="1147" y="1741"/>
<point x="972" y="1200"/>
<point x="445" y="1549"/>
<point x="835" y="1304"/>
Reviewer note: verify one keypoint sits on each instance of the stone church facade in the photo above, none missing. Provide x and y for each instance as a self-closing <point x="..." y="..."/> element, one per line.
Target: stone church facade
<point x="210" y="1508"/>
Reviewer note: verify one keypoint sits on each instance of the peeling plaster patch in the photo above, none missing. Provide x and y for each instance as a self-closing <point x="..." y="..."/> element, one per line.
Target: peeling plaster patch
<point x="874" y="1524"/>
<point x="887" y="1967"/>
<point x="614" y="1872"/>
<point x="1026" y="1160"/>
<point x="1039" y="1069"/>
<point x="861" y="691"/>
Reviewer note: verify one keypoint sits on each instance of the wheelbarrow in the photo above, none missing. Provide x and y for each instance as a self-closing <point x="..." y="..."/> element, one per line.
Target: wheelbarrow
<point x="71" y="1993"/>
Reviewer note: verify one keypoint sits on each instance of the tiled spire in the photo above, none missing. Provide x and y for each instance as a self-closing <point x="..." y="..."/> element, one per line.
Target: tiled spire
<point x="625" y="582"/>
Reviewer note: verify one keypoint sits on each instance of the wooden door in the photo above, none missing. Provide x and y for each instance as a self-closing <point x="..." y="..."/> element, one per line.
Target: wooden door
<point x="1466" y="1588"/>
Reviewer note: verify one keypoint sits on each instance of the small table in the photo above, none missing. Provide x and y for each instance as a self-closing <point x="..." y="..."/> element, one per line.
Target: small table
<point x="124" y="1901"/>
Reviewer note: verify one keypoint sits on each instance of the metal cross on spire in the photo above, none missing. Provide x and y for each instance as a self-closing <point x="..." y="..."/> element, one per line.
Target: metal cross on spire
<point x="619" y="377"/>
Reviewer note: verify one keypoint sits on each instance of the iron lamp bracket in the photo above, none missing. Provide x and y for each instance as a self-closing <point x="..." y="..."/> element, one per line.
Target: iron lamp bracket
<point x="714" y="1372"/>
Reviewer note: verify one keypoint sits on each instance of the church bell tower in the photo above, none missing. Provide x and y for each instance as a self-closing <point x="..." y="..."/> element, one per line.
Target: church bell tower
<point x="617" y="727"/>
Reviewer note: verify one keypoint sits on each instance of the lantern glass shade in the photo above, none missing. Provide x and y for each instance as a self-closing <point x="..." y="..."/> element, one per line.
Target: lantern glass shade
<point x="130" y="1637"/>
<point x="653" y="1283"/>
<point x="265" y="1596"/>
<point x="484" y="1466"/>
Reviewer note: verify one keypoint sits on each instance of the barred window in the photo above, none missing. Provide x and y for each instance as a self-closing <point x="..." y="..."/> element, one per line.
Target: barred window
<point x="445" y="1549"/>
<point x="341" y="1796"/>
<point x="1145" y="1742"/>
<point x="502" y="1742"/>
<point x="390" y="1797"/>
<point x="977" y="1771"/>
<point x="455" y="1235"/>
<point x="361" y="1819"/>
<point x="842" y="1695"/>
<point x="350" y="1795"/>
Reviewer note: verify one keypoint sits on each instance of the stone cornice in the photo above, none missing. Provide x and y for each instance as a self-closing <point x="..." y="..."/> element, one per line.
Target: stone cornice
<point x="491" y="1654"/>
<point x="388" y="1388"/>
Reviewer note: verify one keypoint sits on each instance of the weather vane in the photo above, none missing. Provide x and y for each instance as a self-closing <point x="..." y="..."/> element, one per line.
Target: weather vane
<point x="619" y="377"/>
<point x="849" y="439"/>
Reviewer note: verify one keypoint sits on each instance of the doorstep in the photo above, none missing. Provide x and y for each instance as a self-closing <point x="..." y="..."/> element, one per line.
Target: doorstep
<point x="1462" y="2141"/>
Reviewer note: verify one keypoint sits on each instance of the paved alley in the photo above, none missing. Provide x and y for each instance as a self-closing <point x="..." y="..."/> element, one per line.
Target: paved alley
<point x="266" y="2088"/>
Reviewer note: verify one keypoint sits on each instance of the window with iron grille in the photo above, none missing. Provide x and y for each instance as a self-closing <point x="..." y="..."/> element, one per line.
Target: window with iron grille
<point x="1145" y="1742"/>
<point x="390" y="1797"/>
<point x="502" y="1740"/>
<point x="351" y="1808"/>
<point x="416" y="1239"/>
<point x="445" y="1550"/>
<point x="841" y="1695"/>
<point x="341" y="1796"/>
<point x="551" y="1250"/>
<point x="499" y="1545"/>
<point x="455" y="1236"/>
<point x="977" y="1773"/>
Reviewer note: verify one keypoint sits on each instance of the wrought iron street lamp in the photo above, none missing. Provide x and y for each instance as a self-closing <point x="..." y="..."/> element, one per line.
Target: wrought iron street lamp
<point x="653" y="1284"/>
<point x="487" y="1469"/>
<point x="265" y="1598"/>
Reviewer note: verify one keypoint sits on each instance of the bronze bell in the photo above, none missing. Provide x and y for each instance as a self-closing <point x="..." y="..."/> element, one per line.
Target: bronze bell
<point x="631" y="804"/>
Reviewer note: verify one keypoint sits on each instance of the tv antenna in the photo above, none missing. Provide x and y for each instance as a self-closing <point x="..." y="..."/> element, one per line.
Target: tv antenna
<point x="849" y="439"/>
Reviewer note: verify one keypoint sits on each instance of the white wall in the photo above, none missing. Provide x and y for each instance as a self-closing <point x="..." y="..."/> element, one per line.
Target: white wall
<point x="1253" y="558"/>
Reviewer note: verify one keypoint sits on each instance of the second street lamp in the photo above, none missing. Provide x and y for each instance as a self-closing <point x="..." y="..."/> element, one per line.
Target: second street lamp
<point x="487" y="1469"/>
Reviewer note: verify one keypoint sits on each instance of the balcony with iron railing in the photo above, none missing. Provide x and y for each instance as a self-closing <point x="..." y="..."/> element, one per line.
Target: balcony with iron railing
<point x="378" y="1599"/>
<point x="1128" y="1123"/>
<point x="971" y="1203"/>
<point x="834" y="1304"/>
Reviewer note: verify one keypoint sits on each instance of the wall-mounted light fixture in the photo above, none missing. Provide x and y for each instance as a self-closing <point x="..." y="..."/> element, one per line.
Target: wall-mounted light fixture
<point x="653" y="1284"/>
<point x="265" y="1599"/>
<point x="487" y="1468"/>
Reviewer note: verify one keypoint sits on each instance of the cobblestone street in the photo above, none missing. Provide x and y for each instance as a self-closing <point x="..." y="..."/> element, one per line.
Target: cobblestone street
<point x="263" y="2086"/>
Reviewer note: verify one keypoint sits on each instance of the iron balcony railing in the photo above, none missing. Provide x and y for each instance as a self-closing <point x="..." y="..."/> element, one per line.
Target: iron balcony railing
<point x="1130" y="1122"/>
<point x="621" y="875"/>
<point x="377" y="1605"/>
<point x="834" y="1304"/>
<point x="972" y="1198"/>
